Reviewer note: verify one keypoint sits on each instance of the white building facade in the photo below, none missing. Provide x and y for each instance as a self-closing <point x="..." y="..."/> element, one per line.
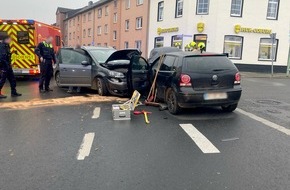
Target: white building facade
<point x="240" y="28"/>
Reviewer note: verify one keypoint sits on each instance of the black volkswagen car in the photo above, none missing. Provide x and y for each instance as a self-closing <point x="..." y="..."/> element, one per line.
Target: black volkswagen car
<point x="194" y="79"/>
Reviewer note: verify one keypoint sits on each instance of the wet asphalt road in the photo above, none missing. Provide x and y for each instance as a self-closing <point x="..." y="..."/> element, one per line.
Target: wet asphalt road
<point x="40" y="136"/>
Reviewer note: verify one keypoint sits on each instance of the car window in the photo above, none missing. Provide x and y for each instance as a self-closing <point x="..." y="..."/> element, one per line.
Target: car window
<point x="139" y="64"/>
<point x="207" y="63"/>
<point x="167" y="63"/>
<point x="72" y="57"/>
<point x="101" y="55"/>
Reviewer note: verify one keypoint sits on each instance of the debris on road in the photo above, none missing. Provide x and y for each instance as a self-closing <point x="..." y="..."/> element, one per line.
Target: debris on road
<point x="230" y="139"/>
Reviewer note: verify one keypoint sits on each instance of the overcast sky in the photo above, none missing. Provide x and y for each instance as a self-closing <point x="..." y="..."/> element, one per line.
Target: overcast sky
<point x="40" y="10"/>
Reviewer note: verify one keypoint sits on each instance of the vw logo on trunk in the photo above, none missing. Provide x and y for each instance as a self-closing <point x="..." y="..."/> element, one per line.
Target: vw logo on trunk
<point x="214" y="77"/>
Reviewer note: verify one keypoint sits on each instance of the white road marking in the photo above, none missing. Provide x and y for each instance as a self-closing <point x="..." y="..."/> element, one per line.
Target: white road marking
<point x="86" y="146"/>
<point x="200" y="140"/>
<point x="96" y="113"/>
<point x="265" y="122"/>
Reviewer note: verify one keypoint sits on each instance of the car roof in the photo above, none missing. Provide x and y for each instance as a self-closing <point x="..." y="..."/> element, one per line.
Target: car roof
<point x="95" y="47"/>
<point x="196" y="53"/>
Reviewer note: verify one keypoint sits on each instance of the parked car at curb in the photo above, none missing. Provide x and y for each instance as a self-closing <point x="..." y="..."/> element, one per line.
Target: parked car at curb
<point x="194" y="79"/>
<point x="103" y="69"/>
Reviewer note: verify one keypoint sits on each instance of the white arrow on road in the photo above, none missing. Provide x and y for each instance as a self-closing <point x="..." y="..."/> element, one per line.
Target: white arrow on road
<point x="86" y="146"/>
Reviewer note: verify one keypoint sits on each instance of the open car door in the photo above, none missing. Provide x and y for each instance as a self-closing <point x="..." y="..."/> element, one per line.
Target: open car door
<point x="138" y="74"/>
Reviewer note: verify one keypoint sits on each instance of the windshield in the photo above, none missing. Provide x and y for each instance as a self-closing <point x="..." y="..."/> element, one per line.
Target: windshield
<point x="208" y="63"/>
<point x="101" y="55"/>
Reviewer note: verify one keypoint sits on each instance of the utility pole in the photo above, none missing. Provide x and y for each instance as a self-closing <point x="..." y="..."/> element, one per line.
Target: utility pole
<point x="273" y="39"/>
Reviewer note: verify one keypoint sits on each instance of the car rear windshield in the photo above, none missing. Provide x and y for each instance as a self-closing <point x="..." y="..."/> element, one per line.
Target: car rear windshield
<point x="207" y="63"/>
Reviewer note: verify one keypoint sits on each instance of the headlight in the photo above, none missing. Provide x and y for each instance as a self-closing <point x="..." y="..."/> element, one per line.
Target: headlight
<point x="115" y="74"/>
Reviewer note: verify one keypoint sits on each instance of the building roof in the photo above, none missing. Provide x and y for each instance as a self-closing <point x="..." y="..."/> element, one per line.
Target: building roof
<point x="63" y="10"/>
<point x="86" y="8"/>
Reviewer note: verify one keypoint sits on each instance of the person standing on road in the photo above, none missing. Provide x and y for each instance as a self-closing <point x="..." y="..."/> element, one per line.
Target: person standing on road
<point x="6" y="71"/>
<point x="46" y="55"/>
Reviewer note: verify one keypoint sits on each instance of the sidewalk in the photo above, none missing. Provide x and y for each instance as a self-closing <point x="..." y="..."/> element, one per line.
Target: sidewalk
<point x="263" y="75"/>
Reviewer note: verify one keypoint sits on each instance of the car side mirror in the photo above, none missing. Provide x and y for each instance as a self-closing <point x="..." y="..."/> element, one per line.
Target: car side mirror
<point x="85" y="63"/>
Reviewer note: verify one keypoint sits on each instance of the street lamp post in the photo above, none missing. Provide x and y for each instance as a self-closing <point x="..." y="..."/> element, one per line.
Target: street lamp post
<point x="273" y="39"/>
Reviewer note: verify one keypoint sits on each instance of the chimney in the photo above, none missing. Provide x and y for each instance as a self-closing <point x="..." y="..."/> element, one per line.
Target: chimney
<point x="90" y="3"/>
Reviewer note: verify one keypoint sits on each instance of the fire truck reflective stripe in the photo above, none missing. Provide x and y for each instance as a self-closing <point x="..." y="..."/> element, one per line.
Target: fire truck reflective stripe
<point x="17" y="57"/>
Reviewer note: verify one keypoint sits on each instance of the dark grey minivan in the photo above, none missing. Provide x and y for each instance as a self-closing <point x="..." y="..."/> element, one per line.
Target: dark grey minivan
<point x="104" y="69"/>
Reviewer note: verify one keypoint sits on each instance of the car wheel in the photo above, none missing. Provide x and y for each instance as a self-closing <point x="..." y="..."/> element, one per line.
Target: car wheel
<point x="57" y="79"/>
<point x="172" y="104"/>
<point x="101" y="87"/>
<point x="230" y="108"/>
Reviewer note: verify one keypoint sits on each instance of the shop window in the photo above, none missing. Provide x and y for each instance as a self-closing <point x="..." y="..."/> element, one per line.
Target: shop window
<point x="159" y="42"/>
<point x="237" y="8"/>
<point x="233" y="46"/>
<point x="202" y="7"/>
<point x="200" y="38"/>
<point x="160" y="11"/>
<point x="177" y="41"/>
<point x="179" y="8"/>
<point x="273" y="9"/>
<point x="265" y="50"/>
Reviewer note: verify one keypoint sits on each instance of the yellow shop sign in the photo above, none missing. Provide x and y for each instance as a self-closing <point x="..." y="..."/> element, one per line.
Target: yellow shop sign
<point x="239" y="28"/>
<point x="167" y="30"/>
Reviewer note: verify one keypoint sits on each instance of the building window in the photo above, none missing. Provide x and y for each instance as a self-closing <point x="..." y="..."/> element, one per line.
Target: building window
<point x="115" y="3"/>
<point x="139" y="21"/>
<point x="138" y="44"/>
<point x="159" y="42"/>
<point x="265" y="50"/>
<point x="106" y="44"/>
<point x="106" y="29"/>
<point x="69" y="23"/>
<point x="69" y="36"/>
<point x="74" y="35"/>
<point x="202" y="7"/>
<point x="100" y="13"/>
<point x="114" y="35"/>
<point x="160" y="11"/>
<point x="84" y="33"/>
<point x="99" y="30"/>
<point x="273" y="9"/>
<point x="127" y="25"/>
<point x="126" y="45"/>
<point x="74" y="22"/>
<point x="128" y="4"/>
<point x="115" y="17"/>
<point x="89" y="32"/>
<point x="106" y="11"/>
<point x="179" y="8"/>
<point x="233" y="46"/>
<point x="237" y="8"/>
<point x="139" y="2"/>
<point x="176" y="41"/>
<point x="78" y="18"/>
<point x="84" y="18"/>
<point x="99" y="44"/>
<point x="89" y="16"/>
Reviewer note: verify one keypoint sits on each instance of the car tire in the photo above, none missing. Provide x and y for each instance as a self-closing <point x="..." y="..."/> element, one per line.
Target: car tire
<point x="172" y="103"/>
<point x="101" y="87"/>
<point x="57" y="79"/>
<point x="230" y="108"/>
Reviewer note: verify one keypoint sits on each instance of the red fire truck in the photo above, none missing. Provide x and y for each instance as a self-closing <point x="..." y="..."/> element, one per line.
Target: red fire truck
<point x="26" y="35"/>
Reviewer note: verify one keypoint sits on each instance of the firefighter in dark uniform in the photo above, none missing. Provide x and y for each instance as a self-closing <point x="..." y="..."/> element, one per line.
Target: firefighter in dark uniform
<point x="6" y="71"/>
<point x="46" y="55"/>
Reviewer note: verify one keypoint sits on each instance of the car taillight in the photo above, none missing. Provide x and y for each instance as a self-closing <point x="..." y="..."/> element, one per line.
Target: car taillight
<point x="185" y="80"/>
<point x="238" y="78"/>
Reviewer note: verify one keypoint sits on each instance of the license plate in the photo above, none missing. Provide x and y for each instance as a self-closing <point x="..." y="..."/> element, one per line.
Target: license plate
<point x="17" y="71"/>
<point x="215" y="96"/>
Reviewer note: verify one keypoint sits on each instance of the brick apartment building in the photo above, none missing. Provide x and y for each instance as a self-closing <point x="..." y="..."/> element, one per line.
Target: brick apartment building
<point x="117" y="23"/>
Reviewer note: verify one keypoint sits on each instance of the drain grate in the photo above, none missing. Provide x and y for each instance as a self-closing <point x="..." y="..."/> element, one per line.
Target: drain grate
<point x="269" y="102"/>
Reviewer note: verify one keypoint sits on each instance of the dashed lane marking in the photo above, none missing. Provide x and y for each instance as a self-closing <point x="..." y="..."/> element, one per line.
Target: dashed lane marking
<point x="265" y="122"/>
<point x="200" y="140"/>
<point x="86" y="146"/>
<point x="96" y="113"/>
